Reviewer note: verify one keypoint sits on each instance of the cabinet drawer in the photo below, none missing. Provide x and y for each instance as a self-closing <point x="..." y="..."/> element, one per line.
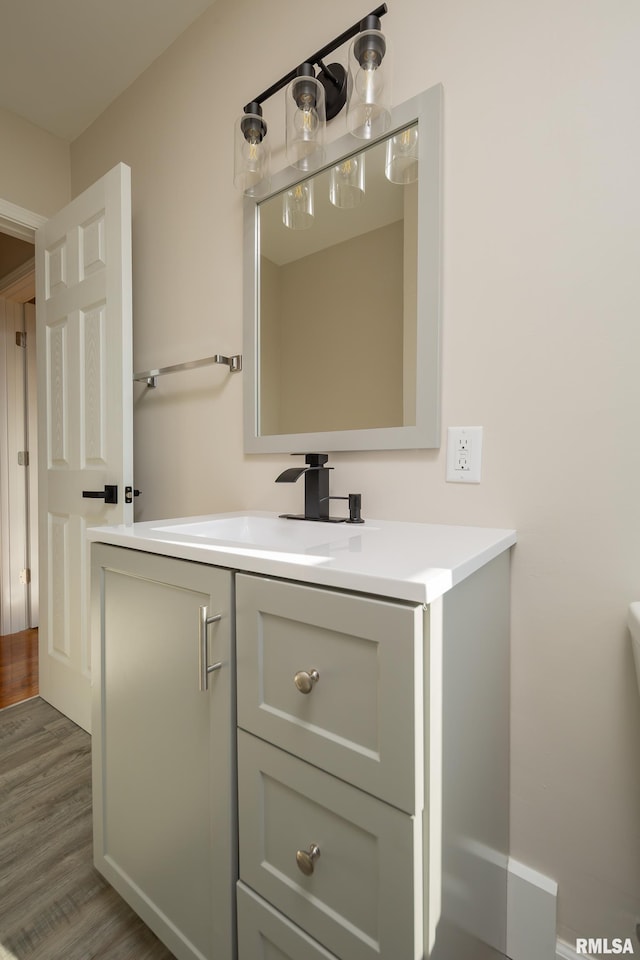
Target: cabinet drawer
<point x="362" y="719"/>
<point x="265" y="934"/>
<point x="359" y="900"/>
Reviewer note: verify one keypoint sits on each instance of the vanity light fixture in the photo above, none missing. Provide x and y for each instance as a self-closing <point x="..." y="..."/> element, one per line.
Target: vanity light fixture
<point x="312" y="98"/>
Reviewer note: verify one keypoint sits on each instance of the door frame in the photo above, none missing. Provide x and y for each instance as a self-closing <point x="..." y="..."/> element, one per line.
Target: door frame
<point x="19" y="222"/>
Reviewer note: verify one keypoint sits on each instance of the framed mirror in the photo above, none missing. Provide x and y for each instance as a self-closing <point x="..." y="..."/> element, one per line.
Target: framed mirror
<point x="342" y="277"/>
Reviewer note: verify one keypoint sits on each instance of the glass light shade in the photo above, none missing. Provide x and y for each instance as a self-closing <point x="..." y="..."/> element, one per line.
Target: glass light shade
<point x="346" y="183"/>
<point x="401" y="165"/>
<point x="251" y="155"/>
<point x="369" y="109"/>
<point x="297" y="206"/>
<point x="306" y="122"/>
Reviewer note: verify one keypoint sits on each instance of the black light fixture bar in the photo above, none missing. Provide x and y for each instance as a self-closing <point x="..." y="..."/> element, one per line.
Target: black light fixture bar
<point x="315" y="58"/>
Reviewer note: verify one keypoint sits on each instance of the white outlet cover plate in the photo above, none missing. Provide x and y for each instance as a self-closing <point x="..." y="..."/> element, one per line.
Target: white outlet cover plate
<point x="464" y="454"/>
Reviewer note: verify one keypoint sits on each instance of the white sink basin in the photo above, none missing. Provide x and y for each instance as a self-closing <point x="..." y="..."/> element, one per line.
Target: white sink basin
<point x="265" y="533"/>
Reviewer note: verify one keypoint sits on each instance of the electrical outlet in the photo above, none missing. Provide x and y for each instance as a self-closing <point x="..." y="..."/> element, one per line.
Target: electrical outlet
<point x="464" y="454"/>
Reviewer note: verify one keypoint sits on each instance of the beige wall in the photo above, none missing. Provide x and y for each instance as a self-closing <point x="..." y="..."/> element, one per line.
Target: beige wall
<point x="34" y="166"/>
<point x="541" y="346"/>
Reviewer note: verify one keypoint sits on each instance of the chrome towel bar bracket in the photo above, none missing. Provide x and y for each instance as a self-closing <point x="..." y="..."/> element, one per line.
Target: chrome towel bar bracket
<point x="150" y="377"/>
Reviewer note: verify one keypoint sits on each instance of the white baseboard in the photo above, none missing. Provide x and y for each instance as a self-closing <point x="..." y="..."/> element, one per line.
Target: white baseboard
<point x="531" y="917"/>
<point x="531" y="914"/>
<point x="530" y="907"/>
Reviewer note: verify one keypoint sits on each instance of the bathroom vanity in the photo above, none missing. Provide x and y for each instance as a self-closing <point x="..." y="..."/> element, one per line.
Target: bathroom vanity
<point x="301" y="735"/>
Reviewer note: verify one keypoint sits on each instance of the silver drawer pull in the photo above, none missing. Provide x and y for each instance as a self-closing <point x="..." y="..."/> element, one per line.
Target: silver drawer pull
<point x="305" y="680"/>
<point x="306" y="859"/>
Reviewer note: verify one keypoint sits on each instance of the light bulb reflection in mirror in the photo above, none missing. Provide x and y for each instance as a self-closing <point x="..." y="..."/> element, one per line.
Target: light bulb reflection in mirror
<point x="297" y="206"/>
<point x="401" y="164"/>
<point x="346" y="184"/>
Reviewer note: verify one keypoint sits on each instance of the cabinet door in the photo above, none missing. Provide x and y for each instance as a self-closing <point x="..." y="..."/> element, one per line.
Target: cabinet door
<point x="362" y="718"/>
<point x="162" y="758"/>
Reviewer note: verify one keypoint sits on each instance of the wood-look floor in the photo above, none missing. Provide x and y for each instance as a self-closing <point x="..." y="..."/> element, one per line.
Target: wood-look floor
<point x="18" y="667"/>
<point x="53" y="904"/>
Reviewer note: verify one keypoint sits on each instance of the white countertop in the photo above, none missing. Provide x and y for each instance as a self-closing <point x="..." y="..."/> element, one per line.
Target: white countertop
<point x="407" y="561"/>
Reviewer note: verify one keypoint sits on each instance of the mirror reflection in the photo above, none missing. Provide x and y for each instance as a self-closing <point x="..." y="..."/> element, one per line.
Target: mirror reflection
<point x="338" y="295"/>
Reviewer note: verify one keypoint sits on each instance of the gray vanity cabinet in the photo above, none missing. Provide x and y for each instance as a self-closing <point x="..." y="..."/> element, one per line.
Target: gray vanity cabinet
<point x="343" y="783"/>
<point x="164" y="821"/>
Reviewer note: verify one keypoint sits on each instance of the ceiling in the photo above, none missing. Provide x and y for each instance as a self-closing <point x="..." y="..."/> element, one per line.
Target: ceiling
<point x="62" y="62"/>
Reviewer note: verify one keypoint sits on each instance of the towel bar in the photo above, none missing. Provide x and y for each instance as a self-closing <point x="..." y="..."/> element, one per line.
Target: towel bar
<point x="150" y="377"/>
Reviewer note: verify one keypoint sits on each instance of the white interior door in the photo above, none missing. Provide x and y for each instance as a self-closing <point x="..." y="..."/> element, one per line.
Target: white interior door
<point x="83" y="301"/>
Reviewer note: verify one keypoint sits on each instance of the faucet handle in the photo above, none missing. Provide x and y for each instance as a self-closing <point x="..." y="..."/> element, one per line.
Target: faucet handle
<point x="313" y="459"/>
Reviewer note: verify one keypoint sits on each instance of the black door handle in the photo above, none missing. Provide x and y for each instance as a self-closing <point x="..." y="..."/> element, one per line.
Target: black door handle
<point x="109" y="494"/>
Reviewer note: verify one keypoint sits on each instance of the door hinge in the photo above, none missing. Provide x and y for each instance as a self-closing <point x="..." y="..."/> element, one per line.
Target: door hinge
<point x="25" y="575"/>
<point x="23" y="458"/>
<point x="21" y="338"/>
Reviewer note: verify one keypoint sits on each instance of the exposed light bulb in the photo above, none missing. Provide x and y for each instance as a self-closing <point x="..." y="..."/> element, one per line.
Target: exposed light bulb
<point x="253" y="150"/>
<point x="306" y="122"/>
<point x="369" y="82"/>
<point x="305" y="119"/>
<point x="369" y="87"/>
<point x="253" y="157"/>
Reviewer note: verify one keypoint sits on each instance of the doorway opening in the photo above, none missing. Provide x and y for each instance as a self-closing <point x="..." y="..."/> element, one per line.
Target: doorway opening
<point x="18" y="472"/>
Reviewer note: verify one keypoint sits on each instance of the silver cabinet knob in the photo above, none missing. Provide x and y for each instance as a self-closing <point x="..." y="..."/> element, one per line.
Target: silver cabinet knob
<point x="305" y="680"/>
<point x="306" y="859"/>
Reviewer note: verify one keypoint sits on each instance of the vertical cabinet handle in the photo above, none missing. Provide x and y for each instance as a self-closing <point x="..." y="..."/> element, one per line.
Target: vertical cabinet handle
<point x="204" y="667"/>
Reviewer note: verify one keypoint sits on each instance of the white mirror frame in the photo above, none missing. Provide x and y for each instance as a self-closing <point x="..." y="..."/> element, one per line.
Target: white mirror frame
<point x="426" y="108"/>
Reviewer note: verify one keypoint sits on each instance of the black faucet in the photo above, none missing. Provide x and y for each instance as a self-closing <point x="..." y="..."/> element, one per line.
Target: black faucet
<point x="316" y="491"/>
